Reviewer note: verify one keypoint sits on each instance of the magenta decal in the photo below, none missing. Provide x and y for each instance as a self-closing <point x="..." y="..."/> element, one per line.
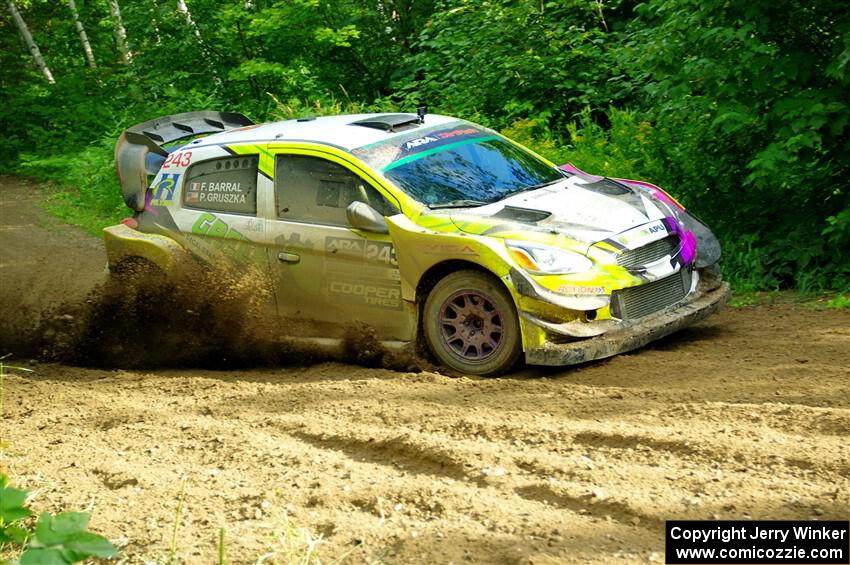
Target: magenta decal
<point x="148" y="206"/>
<point x="688" y="250"/>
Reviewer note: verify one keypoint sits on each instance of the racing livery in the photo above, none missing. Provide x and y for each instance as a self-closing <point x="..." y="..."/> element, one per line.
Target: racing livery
<point x="424" y="227"/>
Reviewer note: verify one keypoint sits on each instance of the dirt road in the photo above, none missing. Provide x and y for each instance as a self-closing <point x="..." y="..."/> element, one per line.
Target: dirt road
<point x="745" y="415"/>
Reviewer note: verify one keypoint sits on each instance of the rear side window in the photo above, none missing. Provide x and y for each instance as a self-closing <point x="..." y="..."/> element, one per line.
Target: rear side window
<point x="223" y="185"/>
<point x="315" y="190"/>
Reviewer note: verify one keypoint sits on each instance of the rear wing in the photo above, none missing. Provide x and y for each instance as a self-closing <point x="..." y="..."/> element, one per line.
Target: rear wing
<point x="139" y="150"/>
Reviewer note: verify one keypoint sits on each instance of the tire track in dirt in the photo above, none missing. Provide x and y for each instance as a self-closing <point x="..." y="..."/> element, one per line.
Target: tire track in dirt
<point x="393" y="451"/>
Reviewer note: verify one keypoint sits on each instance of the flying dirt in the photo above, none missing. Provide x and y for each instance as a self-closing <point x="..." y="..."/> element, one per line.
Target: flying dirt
<point x="745" y="415"/>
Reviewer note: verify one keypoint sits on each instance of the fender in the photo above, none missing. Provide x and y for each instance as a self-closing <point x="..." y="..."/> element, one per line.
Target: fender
<point x="425" y="248"/>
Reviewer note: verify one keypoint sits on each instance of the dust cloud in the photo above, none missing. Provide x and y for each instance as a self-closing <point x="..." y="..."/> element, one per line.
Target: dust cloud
<point x="213" y="318"/>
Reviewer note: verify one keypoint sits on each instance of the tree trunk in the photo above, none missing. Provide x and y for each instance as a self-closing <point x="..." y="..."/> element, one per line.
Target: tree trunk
<point x="25" y="33"/>
<point x="120" y="32"/>
<point x="83" y="37"/>
<point x="184" y="9"/>
<point x="205" y="49"/>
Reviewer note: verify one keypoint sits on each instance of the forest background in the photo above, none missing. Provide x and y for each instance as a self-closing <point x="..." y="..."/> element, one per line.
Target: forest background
<point x="739" y="108"/>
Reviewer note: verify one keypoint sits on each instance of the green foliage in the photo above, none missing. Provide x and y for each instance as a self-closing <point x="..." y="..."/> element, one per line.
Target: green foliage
<point x="511" y="60"/>
<point x="60" y="539"/>
<point x="756" y="95"/>
<point x="88" y="195"/>
<point x="738" y="109"/>
<point x="13" y="511"/>
<point x="840" y="301"/>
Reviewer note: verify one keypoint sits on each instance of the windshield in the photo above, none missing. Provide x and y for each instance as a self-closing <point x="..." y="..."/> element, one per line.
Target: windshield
<point x="469" y="173"/>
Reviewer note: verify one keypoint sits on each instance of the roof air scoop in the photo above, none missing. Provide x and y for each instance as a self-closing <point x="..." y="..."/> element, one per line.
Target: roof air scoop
<point x="390" y="123"/>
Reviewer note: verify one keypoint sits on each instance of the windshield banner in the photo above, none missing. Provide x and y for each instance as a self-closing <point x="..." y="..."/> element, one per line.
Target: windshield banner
<point x="398" y="150"/>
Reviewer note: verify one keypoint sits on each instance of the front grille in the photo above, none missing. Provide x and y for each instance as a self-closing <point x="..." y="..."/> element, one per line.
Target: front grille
<point x="650" y="252"/>
<point x="639" y="301"/>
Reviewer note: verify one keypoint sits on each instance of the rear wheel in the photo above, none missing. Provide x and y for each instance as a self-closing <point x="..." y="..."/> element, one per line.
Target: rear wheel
<point x="470" y="324"/>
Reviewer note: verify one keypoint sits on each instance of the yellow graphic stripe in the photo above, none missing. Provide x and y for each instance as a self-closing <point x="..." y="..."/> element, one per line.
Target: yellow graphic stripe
<point x="266" y="158"/>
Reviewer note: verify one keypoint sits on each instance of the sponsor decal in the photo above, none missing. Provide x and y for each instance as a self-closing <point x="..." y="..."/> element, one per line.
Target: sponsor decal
<point x="180" y="159"/>
<point x="459" y="133"/>
<point x="361" y="289"/>
<point x="163" y="191"/>
<point x="294" y="239"/>
<point x="207" y="224"/>
<point x="368" y="294"/>
<point x="447" y="249"/>
<point x="256" y="225"/>
<point x="585" y="290"/>
<point x="223" y="238"/>
<point x="642" y="235"/>
<point x="383" y="154"/>
<point x="378" y="251"/>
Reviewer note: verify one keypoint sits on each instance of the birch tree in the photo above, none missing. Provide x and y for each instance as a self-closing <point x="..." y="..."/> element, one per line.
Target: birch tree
<point x="187" y="15"/>
<point x="83" y="37"/>
<point x="120" y="32"/>
<point x="27" y="36"/>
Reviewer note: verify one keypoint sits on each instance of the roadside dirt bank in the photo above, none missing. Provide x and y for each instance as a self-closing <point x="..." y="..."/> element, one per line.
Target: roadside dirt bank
<point x="746" y="415"/>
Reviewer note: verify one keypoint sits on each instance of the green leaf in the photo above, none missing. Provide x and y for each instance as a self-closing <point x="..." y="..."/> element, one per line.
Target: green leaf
<point x="89" y="544"/>
<point x="56" y="530"/>
<point x="12" y="506"/>
<point x="51" y="556"/>
<point x="14" y="534"/>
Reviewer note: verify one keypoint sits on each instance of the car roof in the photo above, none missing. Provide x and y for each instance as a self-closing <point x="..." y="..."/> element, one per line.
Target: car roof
<point x="339" y="131"/>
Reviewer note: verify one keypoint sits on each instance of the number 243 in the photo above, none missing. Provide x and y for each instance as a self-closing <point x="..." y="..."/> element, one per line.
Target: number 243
<point x="181" y="159"/>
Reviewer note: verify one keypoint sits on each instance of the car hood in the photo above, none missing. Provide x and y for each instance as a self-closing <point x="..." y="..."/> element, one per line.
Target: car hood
<point x="585" y="211"/>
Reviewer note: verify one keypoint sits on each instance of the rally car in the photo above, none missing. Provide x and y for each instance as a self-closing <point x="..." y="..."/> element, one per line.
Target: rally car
<point x="425" y="227"/>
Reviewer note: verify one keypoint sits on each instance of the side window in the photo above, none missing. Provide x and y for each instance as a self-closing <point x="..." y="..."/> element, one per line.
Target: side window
<point x="311" y="189"/>
<point x="226" y="185"/>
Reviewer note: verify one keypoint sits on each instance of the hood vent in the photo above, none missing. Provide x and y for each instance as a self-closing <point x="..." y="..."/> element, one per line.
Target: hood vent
<point x="517" y="214"/>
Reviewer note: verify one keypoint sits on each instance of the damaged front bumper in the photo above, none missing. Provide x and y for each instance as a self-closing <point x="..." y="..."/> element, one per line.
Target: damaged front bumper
<point x="604" y="338"/>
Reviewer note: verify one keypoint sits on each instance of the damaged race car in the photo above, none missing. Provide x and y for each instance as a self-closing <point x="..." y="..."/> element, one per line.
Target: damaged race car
<point x="425" y="227"/>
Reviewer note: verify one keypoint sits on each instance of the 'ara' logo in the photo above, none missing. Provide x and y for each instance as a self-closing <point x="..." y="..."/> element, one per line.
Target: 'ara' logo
<point x="344" y="245"/>
<point x="414" y="143"/>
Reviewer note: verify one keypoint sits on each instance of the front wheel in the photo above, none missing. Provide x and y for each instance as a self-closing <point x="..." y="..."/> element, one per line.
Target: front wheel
<point x="470" y="324"/>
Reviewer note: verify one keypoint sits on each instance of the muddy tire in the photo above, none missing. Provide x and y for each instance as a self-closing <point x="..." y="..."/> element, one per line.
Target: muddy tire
<point x="470" y="324"/>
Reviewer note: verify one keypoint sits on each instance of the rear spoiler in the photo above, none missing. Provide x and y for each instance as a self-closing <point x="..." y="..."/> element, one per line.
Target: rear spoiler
<point x="138" y="146"/>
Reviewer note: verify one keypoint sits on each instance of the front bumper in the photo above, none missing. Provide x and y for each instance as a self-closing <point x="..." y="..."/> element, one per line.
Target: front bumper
<point x="628" y="335"/>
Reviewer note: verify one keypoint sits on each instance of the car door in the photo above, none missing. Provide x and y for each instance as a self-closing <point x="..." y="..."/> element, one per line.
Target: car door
<point x="328" y="275"/>
<point x="218" y="219"/>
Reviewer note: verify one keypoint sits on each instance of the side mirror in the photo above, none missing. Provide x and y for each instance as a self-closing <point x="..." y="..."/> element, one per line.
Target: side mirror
<point x="361" y="216"/>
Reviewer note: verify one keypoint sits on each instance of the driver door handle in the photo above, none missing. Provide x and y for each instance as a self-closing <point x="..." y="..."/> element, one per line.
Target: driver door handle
<point x="288" y="257"/>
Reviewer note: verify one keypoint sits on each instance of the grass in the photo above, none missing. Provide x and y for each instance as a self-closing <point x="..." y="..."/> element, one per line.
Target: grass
<point x="82" y="187"/>
<point x="172" y="554"/>
<point x="817" y="301"/>
<point x="293" y="544"/>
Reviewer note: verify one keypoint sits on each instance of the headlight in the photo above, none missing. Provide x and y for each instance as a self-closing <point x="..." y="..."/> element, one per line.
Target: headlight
<point x="546" y="259"/>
